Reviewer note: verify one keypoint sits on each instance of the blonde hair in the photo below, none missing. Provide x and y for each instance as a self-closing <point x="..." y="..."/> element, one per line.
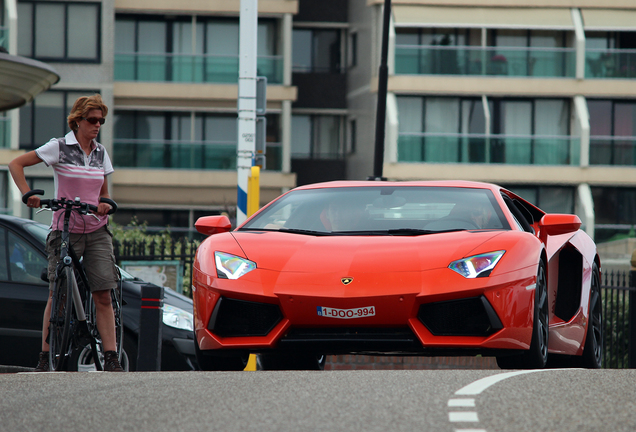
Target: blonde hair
<point x="82" y="106"/>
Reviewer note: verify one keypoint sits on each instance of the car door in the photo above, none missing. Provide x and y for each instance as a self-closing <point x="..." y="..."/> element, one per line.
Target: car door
<point x="23" y="298"/>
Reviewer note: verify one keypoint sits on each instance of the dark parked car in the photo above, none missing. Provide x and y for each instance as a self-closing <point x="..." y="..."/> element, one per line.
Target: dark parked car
<point x="23" y="296"/>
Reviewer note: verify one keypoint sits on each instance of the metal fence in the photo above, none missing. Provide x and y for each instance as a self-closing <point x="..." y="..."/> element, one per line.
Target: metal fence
<point x="182" y="249"/>
<point x="619" y="319"/>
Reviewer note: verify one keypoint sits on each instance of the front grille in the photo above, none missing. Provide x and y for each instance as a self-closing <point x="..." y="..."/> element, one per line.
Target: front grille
<point x="338" y="340"/>
<point x="232" y="318"/>
<point x="466" y="317"/>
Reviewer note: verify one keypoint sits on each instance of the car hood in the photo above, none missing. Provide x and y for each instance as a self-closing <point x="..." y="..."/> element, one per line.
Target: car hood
<point x="285" y="252"/>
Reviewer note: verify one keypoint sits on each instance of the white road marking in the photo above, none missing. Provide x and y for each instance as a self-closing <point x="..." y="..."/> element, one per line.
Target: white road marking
<point x="463" y="416"/>
<point x="479" y="386"/>
<point x="461" y="402"/>
<point x="476" y="388"/>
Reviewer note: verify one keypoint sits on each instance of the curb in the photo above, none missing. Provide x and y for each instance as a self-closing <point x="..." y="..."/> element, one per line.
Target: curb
<point x="15" y="369"/>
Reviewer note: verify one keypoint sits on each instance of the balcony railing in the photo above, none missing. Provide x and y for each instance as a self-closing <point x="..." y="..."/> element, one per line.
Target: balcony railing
<point x="175" y="154"/>
<point x="5" y="132"/>
<point x="612" y="150"/>
<point x="470" y="60"/>
<point x="610" y="63"/>
<point x="191" y="68"/>
<point x="493" y="149"/>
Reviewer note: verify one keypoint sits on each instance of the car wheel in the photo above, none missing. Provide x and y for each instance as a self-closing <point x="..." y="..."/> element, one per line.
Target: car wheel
<point x="295" y="361"/>
<point x="210" y="362"/>
<point x="537" y="356"/>
<point x="593" y="350"/>
<point x="81" y="360"/>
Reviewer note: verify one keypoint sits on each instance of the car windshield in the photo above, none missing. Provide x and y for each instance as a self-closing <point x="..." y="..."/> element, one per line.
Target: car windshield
<point x="381" y="210"/>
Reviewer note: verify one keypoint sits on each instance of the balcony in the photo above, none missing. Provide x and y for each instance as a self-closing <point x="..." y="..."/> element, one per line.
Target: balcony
<point x="611" y="150"/>
<point x="610" y="63"/>
<point x="493" y="149"/>
<point x="190" y="155"/>
<point x="188" y="68"/>
<point x="488" y="61"/>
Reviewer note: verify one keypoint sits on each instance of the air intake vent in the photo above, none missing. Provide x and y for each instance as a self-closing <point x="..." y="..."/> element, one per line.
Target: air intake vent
<point x="467" y="317"/>
<point x="232" y="318"/>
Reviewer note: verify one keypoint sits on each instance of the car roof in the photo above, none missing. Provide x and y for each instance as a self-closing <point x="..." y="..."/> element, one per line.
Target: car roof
<point x="428" y="183"/>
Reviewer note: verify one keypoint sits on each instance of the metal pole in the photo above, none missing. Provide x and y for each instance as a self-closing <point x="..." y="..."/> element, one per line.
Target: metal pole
<point x="248" y="26"/>
<point x="383" y="77"/>
<point x="632" y="321"/>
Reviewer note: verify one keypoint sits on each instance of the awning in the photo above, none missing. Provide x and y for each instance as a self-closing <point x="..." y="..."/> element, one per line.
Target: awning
<point x="482" y="17"/>
<point x="22" y="79"/>
<point x="609" y="19"/>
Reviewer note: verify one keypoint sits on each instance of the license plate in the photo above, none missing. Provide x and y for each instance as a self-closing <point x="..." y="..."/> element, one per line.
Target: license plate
<point x="360" y="312"/>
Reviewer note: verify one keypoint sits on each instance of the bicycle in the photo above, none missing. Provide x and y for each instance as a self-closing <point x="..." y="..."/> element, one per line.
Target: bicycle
<point x="72" y="326"/>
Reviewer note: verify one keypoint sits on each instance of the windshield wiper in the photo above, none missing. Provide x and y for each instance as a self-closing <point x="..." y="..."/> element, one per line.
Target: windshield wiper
<point x="417" y="231"/>
<point x="302" y="231"/>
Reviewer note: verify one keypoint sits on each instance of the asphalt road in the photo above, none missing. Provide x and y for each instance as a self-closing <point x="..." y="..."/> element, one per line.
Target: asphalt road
<point x="429" y="400"/>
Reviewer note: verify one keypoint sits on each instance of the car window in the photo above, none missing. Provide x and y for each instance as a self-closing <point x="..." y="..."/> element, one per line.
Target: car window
<point x="4" y="273"/>
<point x="25" y="262"/>
<point x="381" y="210"/>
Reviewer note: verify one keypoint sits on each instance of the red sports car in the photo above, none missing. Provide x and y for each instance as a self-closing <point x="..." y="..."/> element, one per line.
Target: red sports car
<point x="399" y="268"/>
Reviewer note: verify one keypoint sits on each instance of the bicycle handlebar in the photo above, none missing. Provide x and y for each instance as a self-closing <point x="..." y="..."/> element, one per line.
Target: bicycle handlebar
<point x="57" y="204"/>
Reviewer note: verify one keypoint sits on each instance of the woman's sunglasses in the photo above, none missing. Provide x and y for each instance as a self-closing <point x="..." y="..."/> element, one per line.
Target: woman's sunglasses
<point x="95" y="120"/>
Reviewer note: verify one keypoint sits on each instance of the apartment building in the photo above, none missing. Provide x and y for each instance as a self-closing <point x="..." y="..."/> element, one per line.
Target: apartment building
<point x="538" y="96"/>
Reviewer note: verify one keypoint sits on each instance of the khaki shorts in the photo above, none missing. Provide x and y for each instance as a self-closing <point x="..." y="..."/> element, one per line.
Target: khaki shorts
<point x="99" y="258"/>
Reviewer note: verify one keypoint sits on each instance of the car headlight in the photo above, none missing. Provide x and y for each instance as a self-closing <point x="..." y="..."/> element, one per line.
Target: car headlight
<point x="230" y="266"/>
<point x="177" y="318"/>
<point x="477" y="265"/>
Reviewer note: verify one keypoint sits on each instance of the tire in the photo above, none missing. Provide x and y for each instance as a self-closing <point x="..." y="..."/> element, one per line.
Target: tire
<point x="295" y="361"/>
<point x="81" y="360"/>
<point x="60" y="322"/>
<point x="209" y="362"/>
<point x="537" y="356"/>
<point x="592" y="357"/>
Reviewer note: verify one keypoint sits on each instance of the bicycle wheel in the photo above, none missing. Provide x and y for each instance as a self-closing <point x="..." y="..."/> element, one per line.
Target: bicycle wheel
<point x="60" y="322"/>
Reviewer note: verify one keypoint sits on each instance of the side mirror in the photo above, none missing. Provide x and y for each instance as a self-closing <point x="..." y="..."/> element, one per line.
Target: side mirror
<point x="208" y="225"/>
<point x="555" y="224"/>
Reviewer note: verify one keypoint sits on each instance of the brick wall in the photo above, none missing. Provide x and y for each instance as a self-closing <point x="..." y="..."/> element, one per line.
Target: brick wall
<point x="361" y="362"/>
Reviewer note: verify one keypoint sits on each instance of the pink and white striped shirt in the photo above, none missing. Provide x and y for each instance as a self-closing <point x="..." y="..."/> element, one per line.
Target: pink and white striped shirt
<point x="77" y="174"/>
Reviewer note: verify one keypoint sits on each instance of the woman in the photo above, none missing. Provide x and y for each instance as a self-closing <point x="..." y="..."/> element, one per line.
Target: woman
<point x="80" y="165"/>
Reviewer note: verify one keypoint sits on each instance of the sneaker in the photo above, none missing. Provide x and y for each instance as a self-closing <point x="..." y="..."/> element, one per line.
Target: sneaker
<point x="111" y="362"/>
<point x="43" y="362"/>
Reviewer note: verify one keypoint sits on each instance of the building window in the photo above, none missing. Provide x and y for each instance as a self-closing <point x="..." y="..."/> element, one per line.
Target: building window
<point x="316" y="51"/>
<point x="612" y="132"/>
<point x="522" y="131"/>
<point x="62" y="32"/>
<point x="353" y="50"/>
<point x="353" y="136"/>
<point x="615" y="212"/>
<point x="146" y="139"/>
<point x="45" y="117"/>
<point x="151" y="48"/>
<point x="317" y="137"/>
<point x="548" y="198"/>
